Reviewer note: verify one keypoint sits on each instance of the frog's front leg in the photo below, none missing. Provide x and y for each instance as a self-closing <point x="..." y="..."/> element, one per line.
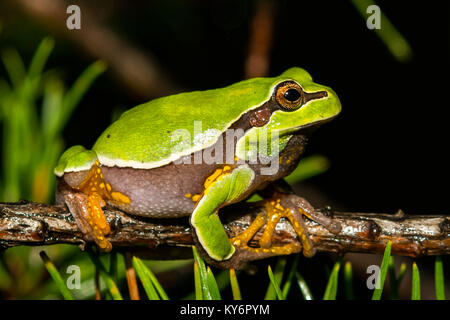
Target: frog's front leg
<point x="225" y="185"/>
<point x="281" y="203"/>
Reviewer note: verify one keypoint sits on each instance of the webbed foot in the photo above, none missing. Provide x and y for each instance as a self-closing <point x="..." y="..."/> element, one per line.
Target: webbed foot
<point x="288" y="206"/>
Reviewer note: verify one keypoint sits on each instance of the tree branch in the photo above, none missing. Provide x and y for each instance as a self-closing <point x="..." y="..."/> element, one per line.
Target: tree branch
<point x="27" y="223"/>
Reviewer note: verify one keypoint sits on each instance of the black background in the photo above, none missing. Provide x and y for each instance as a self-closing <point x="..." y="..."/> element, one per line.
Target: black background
<point x="388" y="147"/>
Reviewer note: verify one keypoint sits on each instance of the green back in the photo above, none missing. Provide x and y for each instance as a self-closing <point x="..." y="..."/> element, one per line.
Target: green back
<point x="142" y="136"/>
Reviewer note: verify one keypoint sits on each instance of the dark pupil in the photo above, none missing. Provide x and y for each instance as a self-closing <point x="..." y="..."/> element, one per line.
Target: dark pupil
<point x="292" y="95"/>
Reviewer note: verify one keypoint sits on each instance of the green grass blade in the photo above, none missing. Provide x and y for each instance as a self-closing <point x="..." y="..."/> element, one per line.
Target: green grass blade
<point x="4" y="92"/>
<point x="147" y="272"/>
<point x="56" y="276"/>
<point x="14" y="67"/>
<point x="40" y="57"/>
<point x="309" y="167"/>
<point x="348" y="280"/>
<point x="11" y="154"/>
<point x="51" y="107"/>
<point x="235" y="285"/>
<point x="197" y="282"/>
<point x="109" y="282"/>
<point x="439" y="278"/>
<point x="288" y="284"/>
<point x="275" y="284"/>
<point x="388" y="34"/>
<point x="383" y="272"/>
<point x="146" y="281"/>
<point x="303" y="286"/>
<point x="203" y="274"/>
<point x="33" y="80"/>
<point x="278" y="276"/>
<point x="401" y="273"/>
<point x="415" y="290"/>
<point x="212" y="285"/>
<point x="332" y="286"/>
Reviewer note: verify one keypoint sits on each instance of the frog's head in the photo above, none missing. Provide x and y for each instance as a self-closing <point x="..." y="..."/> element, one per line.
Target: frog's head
<point x="295" y="102"/>
<point x="298" y="102"/>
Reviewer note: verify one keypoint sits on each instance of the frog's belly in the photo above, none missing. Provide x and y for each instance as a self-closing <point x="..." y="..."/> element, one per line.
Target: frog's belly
<point x="161" y="192"/>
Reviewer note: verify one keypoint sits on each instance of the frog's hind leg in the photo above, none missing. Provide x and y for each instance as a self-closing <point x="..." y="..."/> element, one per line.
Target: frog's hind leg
<point x="291" y="207"/>
<point x="85" y="193"/>
<point x="274" y="212"/>
<point x="89" y="218"/>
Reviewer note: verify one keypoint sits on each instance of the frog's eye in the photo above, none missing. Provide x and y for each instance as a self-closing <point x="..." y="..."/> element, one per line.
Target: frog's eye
<point x="289" y="95"/>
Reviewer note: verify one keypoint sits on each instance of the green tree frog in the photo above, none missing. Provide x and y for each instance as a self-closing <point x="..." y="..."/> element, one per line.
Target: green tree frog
<point x="191" y="154"/>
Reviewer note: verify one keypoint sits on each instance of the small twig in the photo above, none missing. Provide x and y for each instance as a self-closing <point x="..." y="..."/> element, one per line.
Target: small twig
<point x="98" y="292"/>
<point x="131" y="277"/>
<point x="27" y="223"/>
<point x="260" y="40"/>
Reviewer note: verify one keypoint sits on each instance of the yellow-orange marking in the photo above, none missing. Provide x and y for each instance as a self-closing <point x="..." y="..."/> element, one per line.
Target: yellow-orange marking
<point x="275" y="211"/>
<point x="97" y="192"/>
<point x="210" y="181"/>
<point x="212" y="178"/>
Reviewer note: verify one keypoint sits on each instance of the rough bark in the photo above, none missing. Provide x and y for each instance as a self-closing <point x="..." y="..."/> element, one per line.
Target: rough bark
<point x="27" y="223"/>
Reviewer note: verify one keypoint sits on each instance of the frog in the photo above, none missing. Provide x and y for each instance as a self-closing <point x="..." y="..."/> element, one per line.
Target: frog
<point x="191" y="154"/>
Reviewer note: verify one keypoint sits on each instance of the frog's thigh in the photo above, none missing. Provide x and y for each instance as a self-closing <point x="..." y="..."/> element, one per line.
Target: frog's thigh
<point x="205" y="220"/>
